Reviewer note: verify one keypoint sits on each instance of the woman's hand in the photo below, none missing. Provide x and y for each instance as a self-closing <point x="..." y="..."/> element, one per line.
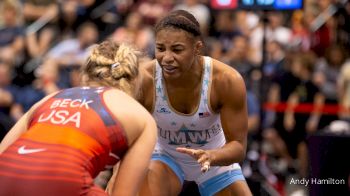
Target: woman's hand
<point x="203" y="157"/>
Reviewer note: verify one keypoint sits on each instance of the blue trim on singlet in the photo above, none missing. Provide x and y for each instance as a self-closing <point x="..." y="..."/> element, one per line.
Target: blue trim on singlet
<point x="219" y="182"/>
<point x="170" y="163"/>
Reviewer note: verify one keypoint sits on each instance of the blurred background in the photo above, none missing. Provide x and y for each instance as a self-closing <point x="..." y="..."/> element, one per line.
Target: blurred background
<point x="293" y="55"/>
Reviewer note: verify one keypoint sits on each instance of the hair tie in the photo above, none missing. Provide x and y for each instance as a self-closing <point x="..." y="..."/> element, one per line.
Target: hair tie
<point x="115" y="65"/>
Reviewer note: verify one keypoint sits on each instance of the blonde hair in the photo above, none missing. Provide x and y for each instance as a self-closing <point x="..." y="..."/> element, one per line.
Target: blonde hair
<point x="16" y="6"/>
<point x="111" y="64"/>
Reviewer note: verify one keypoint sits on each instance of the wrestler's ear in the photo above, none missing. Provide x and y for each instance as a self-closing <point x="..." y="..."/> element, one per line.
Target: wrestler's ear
<point x="198" y="47"/>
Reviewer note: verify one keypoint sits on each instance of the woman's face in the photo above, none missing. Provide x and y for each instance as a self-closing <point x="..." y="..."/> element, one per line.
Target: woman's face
<point x="9" y="16"/>
<point x="336" y="57"/>
<point x="175" y="51"/>
<point x="134" y="21"/>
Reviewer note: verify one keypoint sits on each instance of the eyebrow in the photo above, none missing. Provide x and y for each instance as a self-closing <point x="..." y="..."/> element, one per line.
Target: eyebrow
<point x="172" y="46"/>
<point x="178" y="45"/>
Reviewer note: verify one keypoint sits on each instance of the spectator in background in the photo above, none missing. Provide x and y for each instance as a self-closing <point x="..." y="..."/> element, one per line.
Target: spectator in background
<point x="291" y="127"/>
<point x="134" y="32"/>
<point x="275" y="31"/>
<point x="153" y="10"/>
<point x="275" y="59"/>
<point x="214" y="48"/>
<point x="74" y="51"/>
<point x="245" y="21"/>
<point x="7" y="98"/>
<point x="45" y="82"/>
<point x="57" y="70"/>
<point x="238" y="57"/>
<point x="323" y="36"/>
<point x="224" y="28"/>
<point x="300" y="38"/>
<point x="38" y="41"/>
<point x="343" y="84"/>
<point x="68" y="17"/>
<point x="47" y="77"/>
<point x="326" y="74"/>
<point x="253" y="107"/>
<point x="343" y="21"/>
<point x="328" y="68"/>
<point x="70" y="54"/>
<point x="73" y="13"/>
<point x="11" y="32"/>
<point x="199" y="10"/>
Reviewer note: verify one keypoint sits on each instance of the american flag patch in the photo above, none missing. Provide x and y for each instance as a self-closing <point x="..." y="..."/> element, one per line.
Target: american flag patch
<point x="204" y="114"/>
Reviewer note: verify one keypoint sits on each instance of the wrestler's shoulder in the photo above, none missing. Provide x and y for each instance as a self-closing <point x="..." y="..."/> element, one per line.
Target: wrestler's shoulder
<point x="227" y="83"/>
<point x="222" y="71"/>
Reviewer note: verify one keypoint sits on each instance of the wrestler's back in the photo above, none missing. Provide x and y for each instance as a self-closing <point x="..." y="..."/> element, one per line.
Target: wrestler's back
<point x="71" y="137"/>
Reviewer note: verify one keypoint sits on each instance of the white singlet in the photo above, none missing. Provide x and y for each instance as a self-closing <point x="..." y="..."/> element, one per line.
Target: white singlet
<point x="199" y="130"/>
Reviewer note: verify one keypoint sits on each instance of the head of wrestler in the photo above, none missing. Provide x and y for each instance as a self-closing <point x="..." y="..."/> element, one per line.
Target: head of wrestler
<point x="178" y="44"/>
<point x="113" y="65"/>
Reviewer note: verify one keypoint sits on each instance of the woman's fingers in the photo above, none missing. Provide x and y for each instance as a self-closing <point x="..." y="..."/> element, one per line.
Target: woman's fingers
<point x="188" y="151"/>
<point x="202" y="159"/>
<point x="205" y="166"/>
<point x="199" y="154"/>
<point x="193" y="152"/>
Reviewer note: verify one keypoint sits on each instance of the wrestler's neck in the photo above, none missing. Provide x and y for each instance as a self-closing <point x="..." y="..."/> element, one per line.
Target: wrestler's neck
<point x="190" y="78"/>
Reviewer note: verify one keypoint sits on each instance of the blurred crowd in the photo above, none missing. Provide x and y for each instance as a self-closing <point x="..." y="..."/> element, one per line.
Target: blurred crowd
<point x="288" y="58"/>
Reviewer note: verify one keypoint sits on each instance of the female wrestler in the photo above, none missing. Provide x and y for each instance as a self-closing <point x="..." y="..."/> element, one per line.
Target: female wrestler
<point x="199" y="105"/>
<point x="65" y="140"/>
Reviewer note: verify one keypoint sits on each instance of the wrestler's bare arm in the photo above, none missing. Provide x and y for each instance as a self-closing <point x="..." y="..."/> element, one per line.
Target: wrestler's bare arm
<point x="141" y="131"/>
<point x="147" y="97"/>
<point x="230" y="90"/>
<point x="14" y="133"/>
<point x="133" y="167"/>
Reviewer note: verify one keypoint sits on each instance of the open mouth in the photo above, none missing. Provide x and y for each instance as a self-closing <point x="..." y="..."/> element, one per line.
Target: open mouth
<point x="169" y="69"/>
